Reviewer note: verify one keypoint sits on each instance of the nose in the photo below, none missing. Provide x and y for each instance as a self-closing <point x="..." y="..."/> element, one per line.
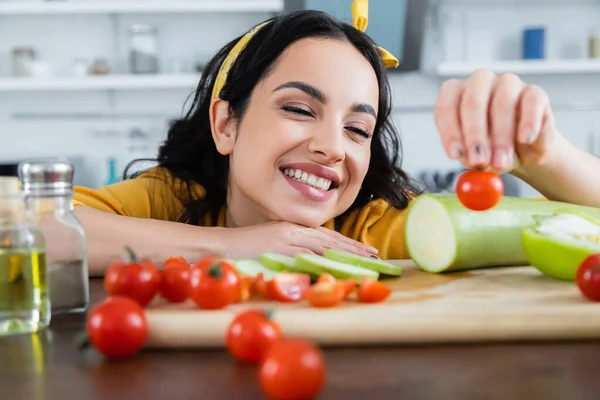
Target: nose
<point x="327" y="144"/>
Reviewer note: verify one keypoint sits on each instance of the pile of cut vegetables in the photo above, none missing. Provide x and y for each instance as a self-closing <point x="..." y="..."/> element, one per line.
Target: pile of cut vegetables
<point x="117" y="327"/>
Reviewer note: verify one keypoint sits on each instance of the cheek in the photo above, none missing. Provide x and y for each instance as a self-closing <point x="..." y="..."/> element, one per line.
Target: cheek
<point x="358" y="164"/>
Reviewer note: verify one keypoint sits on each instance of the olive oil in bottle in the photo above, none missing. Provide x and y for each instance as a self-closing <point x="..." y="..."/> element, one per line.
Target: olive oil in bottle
<point x="24" y="300"/>
<point x="24" y="306"/>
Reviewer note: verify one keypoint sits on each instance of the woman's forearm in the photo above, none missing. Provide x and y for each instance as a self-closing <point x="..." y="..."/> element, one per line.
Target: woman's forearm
<point x="108" y="235"/>
<point x="572" y="175"/>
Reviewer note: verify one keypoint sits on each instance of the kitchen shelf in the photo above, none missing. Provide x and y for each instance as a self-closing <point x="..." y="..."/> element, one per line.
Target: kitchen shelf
<point x="100" y="82"/>
<point x="139" y="7"/>
<point x="522" y="67"/>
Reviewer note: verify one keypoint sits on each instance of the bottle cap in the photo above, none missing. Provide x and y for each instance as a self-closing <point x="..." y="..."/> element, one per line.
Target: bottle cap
<point x="46" y="176"/>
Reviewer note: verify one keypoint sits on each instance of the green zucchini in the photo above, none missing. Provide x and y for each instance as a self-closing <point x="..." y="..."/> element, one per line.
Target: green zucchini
<point x="380" y="266"/>
<point x="253" y="267"/>
<point x="442" y="235"/>
<point x="557" y="245"/>
<point x="319" y="264"/>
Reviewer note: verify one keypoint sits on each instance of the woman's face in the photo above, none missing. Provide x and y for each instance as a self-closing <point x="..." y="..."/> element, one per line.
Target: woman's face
<point x="302" y="149"/>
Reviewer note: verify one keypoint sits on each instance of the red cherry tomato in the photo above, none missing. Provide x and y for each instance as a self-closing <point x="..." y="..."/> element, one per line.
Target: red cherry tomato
<point x="288" y="286"/>
<point x="214" y="284"/>
<point x="587" y="277"/>
<point x="139" y="280"/>
<point x="326" y="294"/>
<point x="372" y="291"/>
<point x="117" y="327"/>
<point x="175" y="261"/>
<point x="175" y="283"/>
<point x="292" y="368"/>
<point x="479" y="190"/>
<point x="250" y="335"/>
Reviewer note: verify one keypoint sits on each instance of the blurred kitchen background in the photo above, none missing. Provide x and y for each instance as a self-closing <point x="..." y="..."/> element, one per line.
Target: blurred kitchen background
<point x="96" y="81"/>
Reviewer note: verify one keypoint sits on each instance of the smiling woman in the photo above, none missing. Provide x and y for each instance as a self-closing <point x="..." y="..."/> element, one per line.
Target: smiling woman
<point x="289" y="147"/>
<point x="294" y="146"/>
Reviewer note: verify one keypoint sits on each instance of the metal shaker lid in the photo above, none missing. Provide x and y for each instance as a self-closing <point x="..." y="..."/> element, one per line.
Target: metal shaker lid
<point x="46" y="176"/>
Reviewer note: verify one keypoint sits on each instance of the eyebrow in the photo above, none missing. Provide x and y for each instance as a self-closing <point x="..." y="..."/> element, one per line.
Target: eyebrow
<point x="320" y="96"/>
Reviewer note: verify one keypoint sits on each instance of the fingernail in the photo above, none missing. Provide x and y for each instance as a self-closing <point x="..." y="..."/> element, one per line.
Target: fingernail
<point x="502" y="158"/>
<point x="455" y="150"/>
<point x="478" y="155"/>
<point x="375" y="257"/>
<point x="528" y="136"/>
<point x="371" y="249"/>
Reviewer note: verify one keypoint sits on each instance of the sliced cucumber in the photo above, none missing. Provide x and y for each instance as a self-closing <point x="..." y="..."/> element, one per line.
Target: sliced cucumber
<point x="369" y="263"/>
<point x="280" y="262"/>
<point x="253" y="267"/>
<point x="319" y="264"/>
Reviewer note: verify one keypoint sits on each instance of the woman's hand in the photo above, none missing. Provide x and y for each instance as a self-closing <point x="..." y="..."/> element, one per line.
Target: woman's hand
<point x="495" y="122"/>
<point x="288" y="239"/>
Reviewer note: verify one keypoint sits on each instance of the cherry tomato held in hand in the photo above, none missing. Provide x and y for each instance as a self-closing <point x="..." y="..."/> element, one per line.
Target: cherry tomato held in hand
<point x="175" y="283"/>
<point x="587" y="277"/>
<point x="117" y="327"/>
<point x="292" y="368"/>
<point x="214" y="284"/>
<point x="479" y="190"/>
<point x="251" y="334"/>
<point x="139" y="280"/>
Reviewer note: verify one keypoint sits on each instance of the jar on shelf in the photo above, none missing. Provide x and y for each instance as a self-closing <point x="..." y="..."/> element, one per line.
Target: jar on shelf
<point x="48" y="192"/>
<point x="594" y="46"/>
<point x="143" y="49"/>
<point x="24" y="293"/>
<point x="22" y="60"/>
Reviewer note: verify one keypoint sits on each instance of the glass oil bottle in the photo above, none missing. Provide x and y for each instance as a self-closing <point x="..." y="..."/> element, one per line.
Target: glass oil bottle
<point x="24" y="293"/>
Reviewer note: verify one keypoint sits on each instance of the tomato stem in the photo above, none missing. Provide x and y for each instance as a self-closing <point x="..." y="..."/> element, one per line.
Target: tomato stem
<point x="215" y="270"/>
<point x="84" y="342"/>
<point x="269" y="313"/>
<point x="131" y="253"/>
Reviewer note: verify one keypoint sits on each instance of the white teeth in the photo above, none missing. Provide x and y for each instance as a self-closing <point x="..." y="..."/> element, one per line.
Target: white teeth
<point x="313" y="180"/>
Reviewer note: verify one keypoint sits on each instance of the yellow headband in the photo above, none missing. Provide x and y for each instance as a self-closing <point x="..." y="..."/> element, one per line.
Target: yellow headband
<point x="360" y="11"/>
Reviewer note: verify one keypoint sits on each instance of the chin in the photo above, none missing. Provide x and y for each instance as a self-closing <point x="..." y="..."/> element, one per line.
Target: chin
<point x="304" y="216"/>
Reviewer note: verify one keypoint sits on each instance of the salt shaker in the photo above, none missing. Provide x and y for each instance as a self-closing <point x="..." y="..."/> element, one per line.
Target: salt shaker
<point x="47" y="186"/>
<point x="24" y="301"/>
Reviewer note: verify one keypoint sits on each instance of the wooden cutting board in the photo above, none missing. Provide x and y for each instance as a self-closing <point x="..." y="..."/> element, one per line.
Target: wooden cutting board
<point x="495" y="304"/>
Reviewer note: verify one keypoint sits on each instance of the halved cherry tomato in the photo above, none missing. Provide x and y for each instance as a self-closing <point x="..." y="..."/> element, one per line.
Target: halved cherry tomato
<point x="348" y="284"/>
<point x="260" y="286"/>
<point x="349" y="287"/>
<point x="117" y="327"/>
<point x="372" y="291"/>
<point x="479" y="190"/>
<point x="326" y="294"/>
<point x="175" y="282"/>
<point x="288" y="286"/>
<point x="214" y="284"/>
<point x="587" y="277"/>
<point x="326" y="277"/>
<point x="247" y="283"/>
<point x="292" y="368"/>
<point x="250" y="335"/>
<point x="136" y="279"/>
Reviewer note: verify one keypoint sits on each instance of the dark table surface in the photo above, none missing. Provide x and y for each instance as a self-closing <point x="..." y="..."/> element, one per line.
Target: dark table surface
<point x="48" y="365"/>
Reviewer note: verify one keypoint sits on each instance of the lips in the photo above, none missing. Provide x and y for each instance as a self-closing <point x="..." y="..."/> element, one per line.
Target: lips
<point x="312" y="174"/>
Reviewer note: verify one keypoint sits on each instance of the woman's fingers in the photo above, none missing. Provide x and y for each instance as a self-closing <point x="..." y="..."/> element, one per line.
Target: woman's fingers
<point x="534" y="104"/>
<point x="447" y="118"/>
<point x="319" y="239"/>
<point x="474" y="117"/>
<point x="503" y="120"/>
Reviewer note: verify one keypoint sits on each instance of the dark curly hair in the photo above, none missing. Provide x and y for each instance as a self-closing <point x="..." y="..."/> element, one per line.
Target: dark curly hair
<point x="189" y="152"/>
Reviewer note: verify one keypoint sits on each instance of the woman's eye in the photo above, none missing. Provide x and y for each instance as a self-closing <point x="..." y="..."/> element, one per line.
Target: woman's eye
<point x="360" y="131"/>
<point x="297" y="110"/>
